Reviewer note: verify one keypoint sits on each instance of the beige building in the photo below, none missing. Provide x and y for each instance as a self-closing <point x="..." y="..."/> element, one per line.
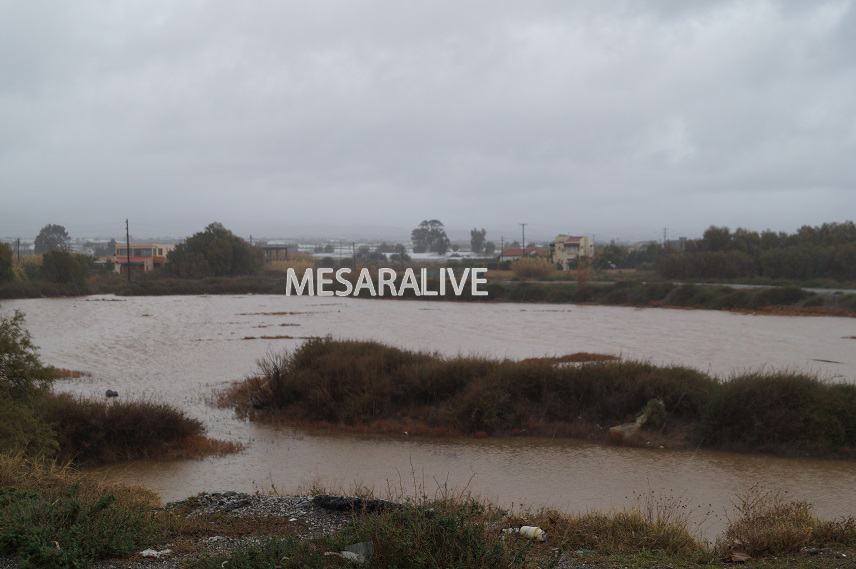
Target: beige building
<point x="144" y="256"/>
<point x="566" y="250"/>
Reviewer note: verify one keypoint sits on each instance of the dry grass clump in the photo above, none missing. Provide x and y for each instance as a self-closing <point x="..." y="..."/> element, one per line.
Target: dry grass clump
<point x="768" y="523"/>
<point x="654" y="523"/>
<point x="532" y="268"/>
<point x="50" y="478"/>
<point x="297" y="261"/>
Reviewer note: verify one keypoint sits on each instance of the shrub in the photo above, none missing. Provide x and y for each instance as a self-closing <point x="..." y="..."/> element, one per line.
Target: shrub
<point x="437" y="534"/>
<point x="21" y="370"/>
<point x="366" y="383"/>
<point x="101" y="431"/>
<point x="23" y="431"/>
<point x="767" y="524"/>
<point x="780" y="411"/>
<point x="51" y="517"/>
<point x="215" y="251"/>
<point x="65" y="268"/>
<point x="359" y="382"/>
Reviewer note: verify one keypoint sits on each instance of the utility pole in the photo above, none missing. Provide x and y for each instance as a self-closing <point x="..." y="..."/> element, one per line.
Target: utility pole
<point x="354" y="254"/>
<point x="665" y="237"/>
<point x="501" y="247"/>
<point x="523" y="230"/>
<point x="18" y="249"/>
<point x="128" y="249"/>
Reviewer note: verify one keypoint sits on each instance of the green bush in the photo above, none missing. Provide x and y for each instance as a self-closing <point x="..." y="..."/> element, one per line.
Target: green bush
<point x="360" y="383"/>
<point x="775" y="411"/>
<point x="436" y="535"/>
<point x="356" y="382"/>
<point x="101" y="431"/>
<point x="21" y="370"/>
<point x="65" y="268"/>
<point x="24" y="431"/>
<point x="214" y="252"/>
<point x="67" y="530"/>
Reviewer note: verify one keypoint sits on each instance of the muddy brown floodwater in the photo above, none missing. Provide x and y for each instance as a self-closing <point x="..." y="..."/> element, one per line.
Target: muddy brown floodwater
<point x="181" y="349"/>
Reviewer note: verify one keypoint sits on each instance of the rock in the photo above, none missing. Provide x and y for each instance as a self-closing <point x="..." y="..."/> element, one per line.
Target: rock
<point x="230" y="506"/>
<point x="739" y="557"/>
<point x="628" y="433"/>
<point x="111" y="393"/>
<point x="654" y="413"/>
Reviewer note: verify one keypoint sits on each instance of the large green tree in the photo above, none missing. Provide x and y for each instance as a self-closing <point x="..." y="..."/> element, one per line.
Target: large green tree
<point x="52" y="237"/>
<point x="430" y="236"/>
<point x="477" y="240"/>
<point x="215" y="251"/>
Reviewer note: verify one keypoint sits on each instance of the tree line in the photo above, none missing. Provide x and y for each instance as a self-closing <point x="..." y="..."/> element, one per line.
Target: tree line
<point x="812" y="252"/>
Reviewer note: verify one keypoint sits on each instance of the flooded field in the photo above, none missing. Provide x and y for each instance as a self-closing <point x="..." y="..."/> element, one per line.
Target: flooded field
<point x="181" y="349"/>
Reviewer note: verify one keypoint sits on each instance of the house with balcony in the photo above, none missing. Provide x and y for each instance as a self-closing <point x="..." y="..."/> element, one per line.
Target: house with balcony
<point x="567" y="250"/>
<point x="143" y="256"/>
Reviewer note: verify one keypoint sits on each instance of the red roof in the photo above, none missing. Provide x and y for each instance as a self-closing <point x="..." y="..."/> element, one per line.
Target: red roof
<point x="520" y="251"/>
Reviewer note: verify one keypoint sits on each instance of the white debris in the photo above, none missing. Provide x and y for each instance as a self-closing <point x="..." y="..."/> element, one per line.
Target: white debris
<point x="154" y="553"/>
<point x="529" y="532"/>
<point x="347" y="555"/>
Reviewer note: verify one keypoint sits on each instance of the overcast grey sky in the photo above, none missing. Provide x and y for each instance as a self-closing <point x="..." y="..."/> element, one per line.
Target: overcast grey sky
<point x="364" y="117"/>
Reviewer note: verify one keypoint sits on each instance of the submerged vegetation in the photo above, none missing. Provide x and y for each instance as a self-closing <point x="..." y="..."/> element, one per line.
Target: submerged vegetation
<point x="39" y="423"/>
<point x="372" y="386"/>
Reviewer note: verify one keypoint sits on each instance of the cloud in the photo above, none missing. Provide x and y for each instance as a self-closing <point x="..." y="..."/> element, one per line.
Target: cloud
<point x="278" y="117"/>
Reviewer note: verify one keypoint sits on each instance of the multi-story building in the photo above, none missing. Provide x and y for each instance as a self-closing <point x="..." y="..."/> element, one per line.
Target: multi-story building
<point x="566" y="250"/>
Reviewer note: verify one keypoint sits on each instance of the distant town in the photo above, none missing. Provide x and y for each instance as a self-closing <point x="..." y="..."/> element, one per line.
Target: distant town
<point x="428" y="244"/>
